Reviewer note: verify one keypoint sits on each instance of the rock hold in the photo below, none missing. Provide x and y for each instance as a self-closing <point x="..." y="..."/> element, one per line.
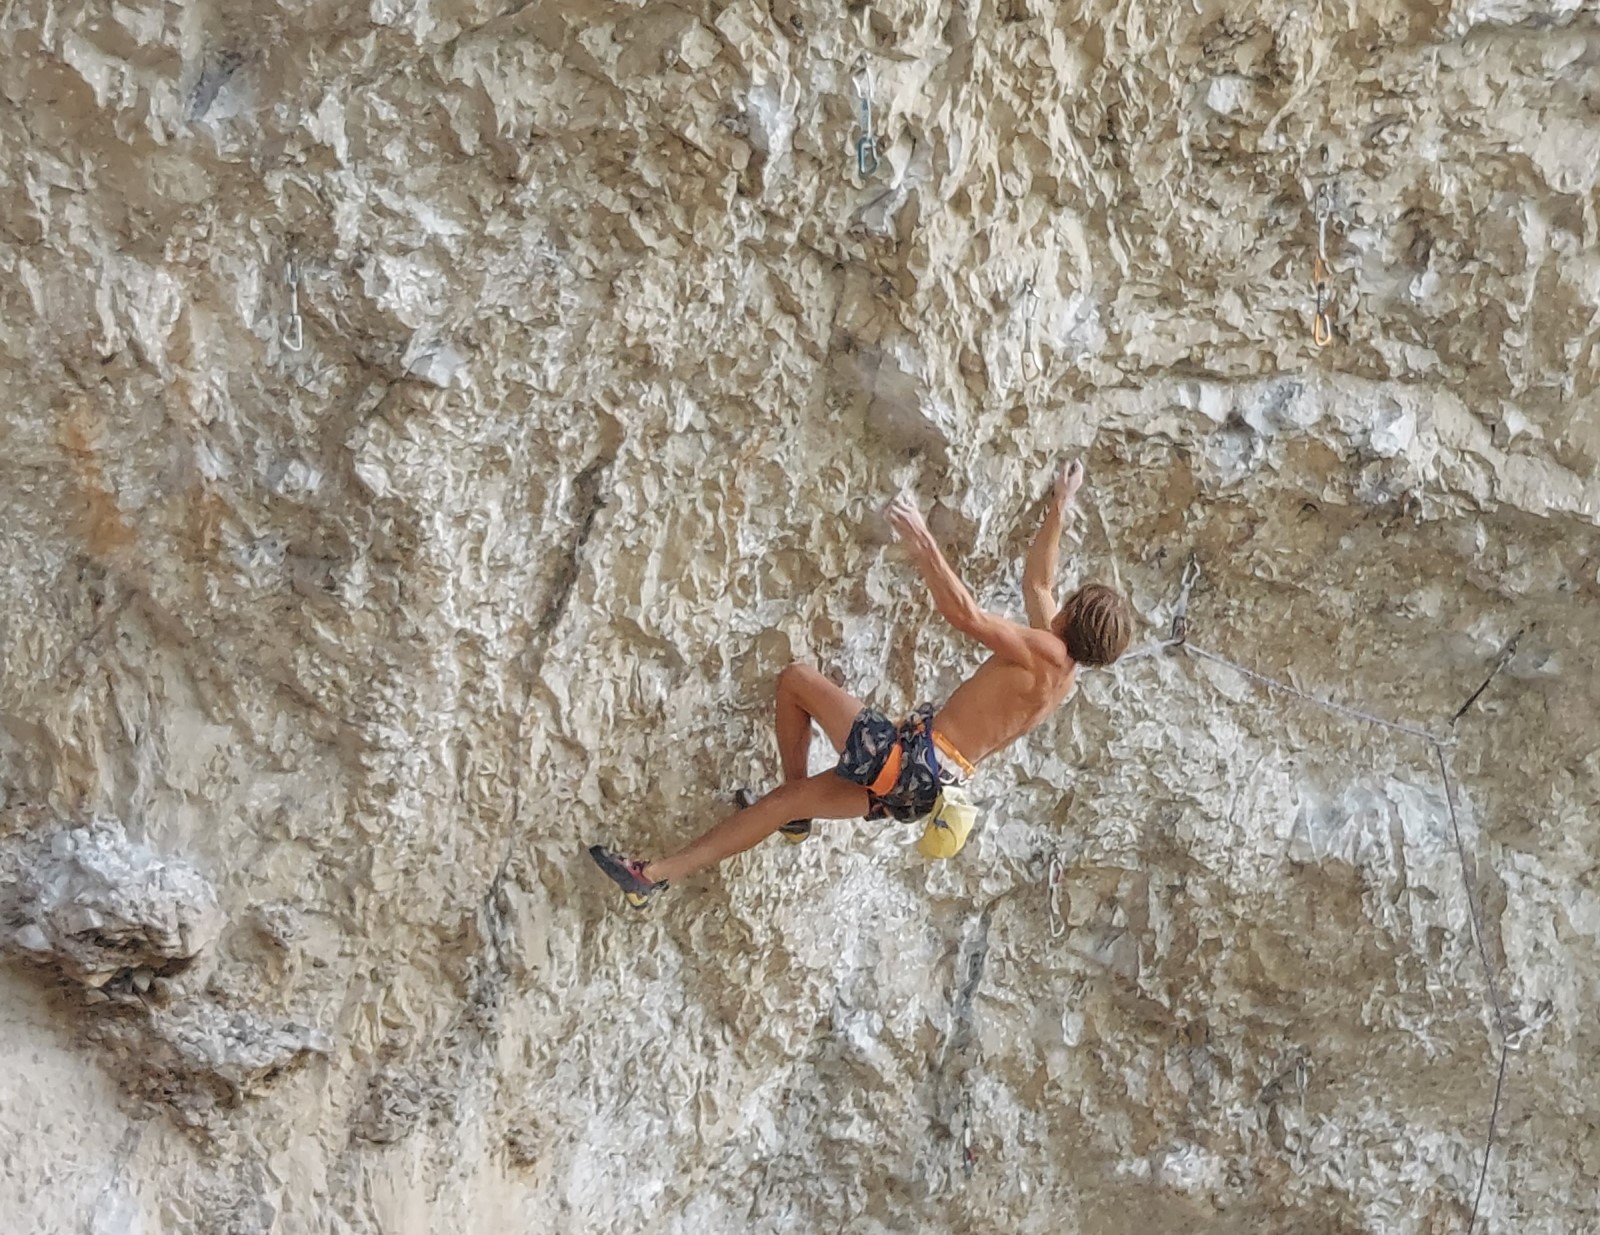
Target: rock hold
<point x="96" y="905"/>
<point x="114" y="916"/>
<point x="198" y="1056"/>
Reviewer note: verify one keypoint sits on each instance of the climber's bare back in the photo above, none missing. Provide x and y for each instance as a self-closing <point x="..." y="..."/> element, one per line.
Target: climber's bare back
<point x="1004" y="699"/>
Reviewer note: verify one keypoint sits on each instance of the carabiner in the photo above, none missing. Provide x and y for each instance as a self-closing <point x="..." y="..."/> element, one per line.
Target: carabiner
<point x="295" y="337"/>
<point x="867" y="144"/>
<point x="1179" y="631"/>
<point x="867" y="156"/>
<point x="1321" y="324"/>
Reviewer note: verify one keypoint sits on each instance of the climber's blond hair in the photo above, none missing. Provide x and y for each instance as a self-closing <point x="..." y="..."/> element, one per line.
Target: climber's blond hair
<point x="1096" y="624"/>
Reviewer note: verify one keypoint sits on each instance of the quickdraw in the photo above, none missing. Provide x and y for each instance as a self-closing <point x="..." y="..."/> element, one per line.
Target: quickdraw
<point x="867" y="144"/>
<point x="294" y="337"/>
<point x="1055" y="873"/>
<point x="1321" y="323"/>
<point x="1180" y="611"/>
<point x="1031" y="366"/>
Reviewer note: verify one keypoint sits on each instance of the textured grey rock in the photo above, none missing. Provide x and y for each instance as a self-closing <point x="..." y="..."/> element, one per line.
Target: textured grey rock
<point x="96" y="906"/>
<point x="194" y="1056"/>
<point x="127" y="924"/>
<point x="609" y="357"/>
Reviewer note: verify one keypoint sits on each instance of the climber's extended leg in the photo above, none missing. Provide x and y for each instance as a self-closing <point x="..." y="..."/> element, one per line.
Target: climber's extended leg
<point x="804" y="695"/>
<point x="826" y="795"/>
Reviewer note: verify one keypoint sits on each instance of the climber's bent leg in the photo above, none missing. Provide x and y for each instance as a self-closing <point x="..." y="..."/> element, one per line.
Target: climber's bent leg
<point x="804" y="695"/>
<point x="823" y="796"/>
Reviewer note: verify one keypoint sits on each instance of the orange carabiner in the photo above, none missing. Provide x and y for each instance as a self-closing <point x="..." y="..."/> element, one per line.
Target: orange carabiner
<point x="1321" y="324"/>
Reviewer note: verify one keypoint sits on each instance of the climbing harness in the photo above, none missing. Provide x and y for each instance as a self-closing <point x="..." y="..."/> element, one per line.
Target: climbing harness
<point x="1321" y="324"/>
<point x="867" y="143"/>
<point x="1029" y="302"/>
<point x="294" y="337"/>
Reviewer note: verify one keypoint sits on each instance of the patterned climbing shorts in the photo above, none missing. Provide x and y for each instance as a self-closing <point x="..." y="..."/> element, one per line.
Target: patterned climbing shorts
<point x="897" y="764"/>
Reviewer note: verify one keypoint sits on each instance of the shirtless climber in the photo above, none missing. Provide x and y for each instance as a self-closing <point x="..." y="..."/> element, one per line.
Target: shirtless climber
<point x="915" y="769"/>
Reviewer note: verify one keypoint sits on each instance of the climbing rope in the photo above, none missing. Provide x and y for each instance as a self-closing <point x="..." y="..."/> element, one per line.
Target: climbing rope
<point x="1179" y="639"/>
<point x="1472" y="901"/>
<point x="1154" y="648"/>
<point x="1488" y="971"/>
<point x="1321" y="324"/>
<point x="1284" y="687"/>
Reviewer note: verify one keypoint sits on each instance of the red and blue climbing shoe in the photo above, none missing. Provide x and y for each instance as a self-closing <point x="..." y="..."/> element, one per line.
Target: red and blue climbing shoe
<point x="628" y="874"/>
<point x="795" y="831"/>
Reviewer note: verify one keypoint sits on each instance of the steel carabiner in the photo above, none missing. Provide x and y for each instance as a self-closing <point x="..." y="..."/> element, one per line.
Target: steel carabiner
<point x="294" y="337"/>
<point x="867" y="143"/>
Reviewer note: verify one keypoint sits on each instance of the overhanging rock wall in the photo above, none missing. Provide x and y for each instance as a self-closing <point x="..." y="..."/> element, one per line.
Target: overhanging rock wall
<point x="608" y="358"/>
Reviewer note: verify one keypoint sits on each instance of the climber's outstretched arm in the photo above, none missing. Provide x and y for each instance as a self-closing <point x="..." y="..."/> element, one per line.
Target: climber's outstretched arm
<point x="1039" y="574"/>
<point x="1005" y="639"/>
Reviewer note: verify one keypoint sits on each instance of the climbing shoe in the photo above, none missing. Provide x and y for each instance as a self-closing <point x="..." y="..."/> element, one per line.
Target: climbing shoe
<point x="795" y="831"/>
<point x="628" y="874"/>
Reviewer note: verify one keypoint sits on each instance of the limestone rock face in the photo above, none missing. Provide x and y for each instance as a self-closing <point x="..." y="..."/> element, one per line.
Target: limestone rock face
<point x="128" y="924"/>
<point x="193" y="1056"/>
<point x="430" y="425"/>
<point x="92" y="904"/>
